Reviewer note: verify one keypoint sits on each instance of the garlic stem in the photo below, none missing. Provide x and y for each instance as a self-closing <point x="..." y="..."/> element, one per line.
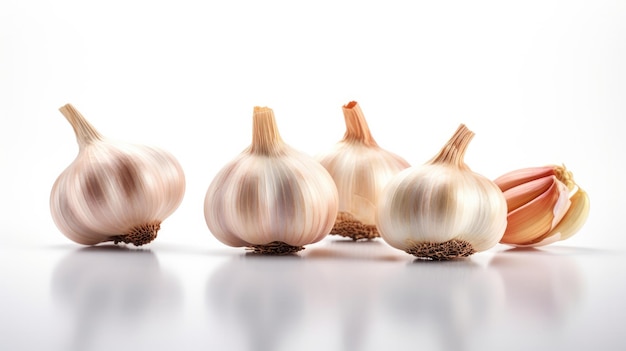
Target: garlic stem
<point x="85" y="132"/>
<point x="266" y="139"/>
<point x="453" y="152"/>
<point x="357" y="129"/>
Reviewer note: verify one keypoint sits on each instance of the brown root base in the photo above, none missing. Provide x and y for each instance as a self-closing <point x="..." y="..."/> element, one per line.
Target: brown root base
<point x="139" y="235"/>
<point x="441" y="251"/>
<point x="348" y="226"/>
<point x="274" y="248"/>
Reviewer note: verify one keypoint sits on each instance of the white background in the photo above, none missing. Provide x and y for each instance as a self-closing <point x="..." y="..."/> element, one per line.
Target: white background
<point x="539" y="82"/>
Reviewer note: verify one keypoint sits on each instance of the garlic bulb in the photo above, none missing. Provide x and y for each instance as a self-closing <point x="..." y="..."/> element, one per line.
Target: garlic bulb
<point x="545" y="205"/>
<point x="360" y="169"/>
<point x="114" y="191"/>
<point x="442" y="210"/>
<point x="271" y="198"/>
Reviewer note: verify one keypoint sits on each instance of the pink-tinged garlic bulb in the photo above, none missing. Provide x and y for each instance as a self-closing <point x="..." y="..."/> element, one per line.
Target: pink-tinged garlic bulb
<point x="114" y="191"/>
<point x="271" y="198"/>
<point x="360" y="169"/>
<point x="442" y="210"/>
<point x="545" y="205"/>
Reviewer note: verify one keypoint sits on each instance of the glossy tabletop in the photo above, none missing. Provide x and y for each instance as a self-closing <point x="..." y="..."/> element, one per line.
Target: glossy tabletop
<point x="334" y="295"/>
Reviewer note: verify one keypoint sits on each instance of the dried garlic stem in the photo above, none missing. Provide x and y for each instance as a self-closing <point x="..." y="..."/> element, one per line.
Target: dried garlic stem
<point x="454" y="150"/>
<point x="266" y="139"/>
<point x="275" y="248"/>
<point x="357" y="129"/>
<point x="85" y="132"/>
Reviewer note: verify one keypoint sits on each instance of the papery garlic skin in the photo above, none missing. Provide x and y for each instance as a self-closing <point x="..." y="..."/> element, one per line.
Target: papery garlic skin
<point x="442" y="210"/>
<point x="360" y="169"/>
<point x="271" y="198"/>
<point x="114" y="191"/>
<point x="545" y="205"/>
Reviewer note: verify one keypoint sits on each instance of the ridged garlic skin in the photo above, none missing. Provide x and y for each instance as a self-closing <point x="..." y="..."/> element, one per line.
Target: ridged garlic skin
<point x="360" y="173"/>
<point x="437" y="203"/>
<point x="114" y="191"/>
<point x="270" y="193"/>
<point x="257" y="200"/>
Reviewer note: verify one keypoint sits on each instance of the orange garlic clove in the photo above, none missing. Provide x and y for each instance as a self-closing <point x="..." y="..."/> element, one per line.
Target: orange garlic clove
<point x="525" y="175"/>
<point x="545" y="205"/>
<point x="538" y="215"/>
<point x="519" y="196"/>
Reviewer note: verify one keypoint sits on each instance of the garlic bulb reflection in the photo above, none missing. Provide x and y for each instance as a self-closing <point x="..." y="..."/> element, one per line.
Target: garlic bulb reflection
<point x="114" y="191"/>
<point x="264" y="299"/>
<point x="452" y="301"/>
<point x="271" y="198"/>
<point x="442" y="209"/>
<point x="360" y="169"/>
<point x="105" y="290"/>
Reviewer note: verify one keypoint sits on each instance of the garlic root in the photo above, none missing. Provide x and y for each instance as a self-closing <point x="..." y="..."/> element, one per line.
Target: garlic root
<point x="348" y="226"/>
<point x="139" y="235"/>
<point x="448" y="250"/>
<point x="275" y="248"/>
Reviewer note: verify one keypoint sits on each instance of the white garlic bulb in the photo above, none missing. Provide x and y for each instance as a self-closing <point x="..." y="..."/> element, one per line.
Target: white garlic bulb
<point x="360" y="169"/>
<point x="114" y="191"/>
<point x="442" y="210"/>
<point x="271" y="198"/>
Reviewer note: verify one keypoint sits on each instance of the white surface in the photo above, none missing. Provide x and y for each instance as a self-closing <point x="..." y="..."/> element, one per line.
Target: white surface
<point x="336" y="295"/>
<point x="538" y="81"/>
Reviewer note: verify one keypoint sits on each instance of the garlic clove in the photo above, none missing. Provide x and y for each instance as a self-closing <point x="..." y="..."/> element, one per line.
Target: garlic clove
<point x="360" y="169"/>
<point x="114" y="191"/>
<point x="520" y="195"/>
<point x="570" y="224"/>
<point x="537" y="217"/>
<point x="521" y="176"/>
<point x="575" y="217"/>
<point x="271" y="198"/>
<point x="525" y="175"/>
<point x="442" y="210"/>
